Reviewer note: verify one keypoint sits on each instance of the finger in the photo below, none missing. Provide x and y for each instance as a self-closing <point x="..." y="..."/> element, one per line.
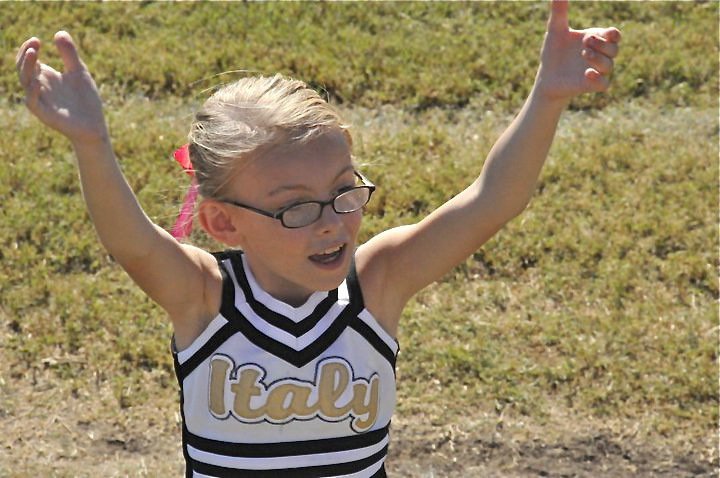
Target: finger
<point x="598" y="61"/>
<point x="68" y="53"/>
<point x="601" y="45"/>
<point x="596" y="81"/>
<point x="558" y="20"/>
<point x="33" y="43"/>
<point x="611" y="34"/>
<point x="32" y="95"/>
<point x="28" y="68"/>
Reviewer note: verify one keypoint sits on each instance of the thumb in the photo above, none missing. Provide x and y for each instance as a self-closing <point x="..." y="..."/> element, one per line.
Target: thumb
<point x="68" y="52"/>
<point x="558" y="16"/>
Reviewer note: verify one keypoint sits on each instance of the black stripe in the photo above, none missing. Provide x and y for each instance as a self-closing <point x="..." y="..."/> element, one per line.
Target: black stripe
<point x="304" y="472"/>
<point x="188" y="468"/>
<point x="231" y="254"/>
<point x="353" y="285"/>
<point x="298" y="358"/>
<point x="380" y="473"/>
<point x="374" y="340"/>
<point x="296" y="328"/>
<point x="219" y="338"/>
<point x="283" y="449"/>
<point x="278" y="320"/>
<point x="361" y="327"/>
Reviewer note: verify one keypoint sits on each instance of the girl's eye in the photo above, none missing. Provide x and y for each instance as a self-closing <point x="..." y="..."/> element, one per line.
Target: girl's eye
<point x="289" y="204"/>
<point x="298" y="200"/>
<point x="344" y="189"/>
<point x="292" y="200"/>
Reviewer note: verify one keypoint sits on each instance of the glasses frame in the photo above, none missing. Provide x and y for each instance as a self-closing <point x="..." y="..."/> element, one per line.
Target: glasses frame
<point x="366" y="184"/>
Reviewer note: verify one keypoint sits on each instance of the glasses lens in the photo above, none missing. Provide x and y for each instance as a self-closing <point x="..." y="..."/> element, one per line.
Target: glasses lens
<point x="304" y="214"/>
<point x="352" y="200"/>
<point x="301" y="215"/>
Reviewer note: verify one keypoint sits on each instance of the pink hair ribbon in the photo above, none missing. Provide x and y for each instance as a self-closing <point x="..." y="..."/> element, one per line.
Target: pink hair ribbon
<point x="183" y="223"/>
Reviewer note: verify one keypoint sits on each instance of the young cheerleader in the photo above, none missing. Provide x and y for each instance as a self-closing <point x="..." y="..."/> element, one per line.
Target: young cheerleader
<point x="284" y="344"/>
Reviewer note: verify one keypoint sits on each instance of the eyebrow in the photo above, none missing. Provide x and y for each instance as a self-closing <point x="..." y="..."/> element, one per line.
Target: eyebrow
<point x="301" y="187"/>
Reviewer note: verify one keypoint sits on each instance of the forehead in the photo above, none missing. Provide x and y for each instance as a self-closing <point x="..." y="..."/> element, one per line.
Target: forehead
<point x="310" y="164"/>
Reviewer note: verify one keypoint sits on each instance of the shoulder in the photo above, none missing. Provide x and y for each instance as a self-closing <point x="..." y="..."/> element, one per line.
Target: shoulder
<point x="190" y="321"/>
<point x="374" y="262"/>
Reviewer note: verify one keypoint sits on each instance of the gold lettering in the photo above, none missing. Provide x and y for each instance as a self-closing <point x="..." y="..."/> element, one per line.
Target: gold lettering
<point x="368" y="408"/>
<point x="244" y="390"/>
<point x="218" y="377"/>
<point x="334" y="379"/>
<point x="288" y="398"/>
<point x="279" y="408"/>
<point x="300" y="400"/>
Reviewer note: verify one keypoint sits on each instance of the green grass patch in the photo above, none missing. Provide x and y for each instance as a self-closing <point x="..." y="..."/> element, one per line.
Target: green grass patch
<point x="415" y="55"/>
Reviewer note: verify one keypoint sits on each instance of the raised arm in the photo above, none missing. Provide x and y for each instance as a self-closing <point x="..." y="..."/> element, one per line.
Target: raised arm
<point x="69" y="103"/>
<point x="402" y="261"/>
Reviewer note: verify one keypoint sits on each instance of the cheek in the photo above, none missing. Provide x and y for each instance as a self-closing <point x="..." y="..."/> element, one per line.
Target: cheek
<point x="283" y="238"/>
<point x="266" y="237"/>
<point x="353" y="221"/>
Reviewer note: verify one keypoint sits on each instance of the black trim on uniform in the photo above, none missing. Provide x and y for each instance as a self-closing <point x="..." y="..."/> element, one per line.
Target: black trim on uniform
<point x="361" y="327"/>
<point x="219" y="338"/>
<point x="381" y="473"/>
<point x="304" y="472"/>
<point x="188" y="460"/>
<point x="298" y="358"/>
<point x="374" y="340"/>
<point x="278" y="320"/>
<point x="237" y="322"/>
<point x="288" y="449"/>
<point x="353" y="285"/>
<point x="223" y="334"/>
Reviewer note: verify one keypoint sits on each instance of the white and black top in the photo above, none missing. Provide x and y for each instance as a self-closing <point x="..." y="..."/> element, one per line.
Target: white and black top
<point x="273" y="390"/>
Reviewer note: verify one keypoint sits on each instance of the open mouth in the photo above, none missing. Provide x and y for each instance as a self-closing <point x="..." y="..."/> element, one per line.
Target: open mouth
<point x="329" y="256"/>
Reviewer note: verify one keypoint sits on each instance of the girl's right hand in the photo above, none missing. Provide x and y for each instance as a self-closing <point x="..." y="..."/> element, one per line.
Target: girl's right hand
<point x="67" y="102"/>
<point x="182" y="279"/>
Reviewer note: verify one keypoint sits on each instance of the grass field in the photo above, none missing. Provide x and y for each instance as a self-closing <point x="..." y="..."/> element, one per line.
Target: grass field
<point x="580" y="341"/>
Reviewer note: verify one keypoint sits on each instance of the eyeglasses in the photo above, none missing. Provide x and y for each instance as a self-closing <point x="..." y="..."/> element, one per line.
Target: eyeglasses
<point x="307" y="212"/>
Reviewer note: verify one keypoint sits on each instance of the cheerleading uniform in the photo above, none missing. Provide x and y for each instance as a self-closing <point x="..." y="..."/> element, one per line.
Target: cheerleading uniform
<point x="269" y="389"/>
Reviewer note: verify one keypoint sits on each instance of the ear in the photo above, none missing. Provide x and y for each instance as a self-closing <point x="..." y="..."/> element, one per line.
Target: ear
<point x="216" y="219"/>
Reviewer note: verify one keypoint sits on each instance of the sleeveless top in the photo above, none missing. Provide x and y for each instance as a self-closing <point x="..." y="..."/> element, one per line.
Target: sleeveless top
<point x="273" y="390"/>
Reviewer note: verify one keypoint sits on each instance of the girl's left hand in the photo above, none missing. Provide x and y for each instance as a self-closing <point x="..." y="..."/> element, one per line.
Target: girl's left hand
<point x="573" y="62"/>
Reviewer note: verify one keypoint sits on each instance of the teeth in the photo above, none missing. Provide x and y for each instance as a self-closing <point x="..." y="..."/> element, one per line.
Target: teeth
<point x="332" y="250"/>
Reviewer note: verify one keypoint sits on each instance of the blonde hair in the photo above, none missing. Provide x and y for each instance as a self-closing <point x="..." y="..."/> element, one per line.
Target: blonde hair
<point x="243" y="119"/>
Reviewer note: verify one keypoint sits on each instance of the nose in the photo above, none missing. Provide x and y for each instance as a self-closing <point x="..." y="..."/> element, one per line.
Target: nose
<point x="329" y="220"/>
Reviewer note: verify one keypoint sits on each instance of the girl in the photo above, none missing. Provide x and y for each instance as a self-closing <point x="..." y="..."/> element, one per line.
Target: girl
<point x="284" y="344"/>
